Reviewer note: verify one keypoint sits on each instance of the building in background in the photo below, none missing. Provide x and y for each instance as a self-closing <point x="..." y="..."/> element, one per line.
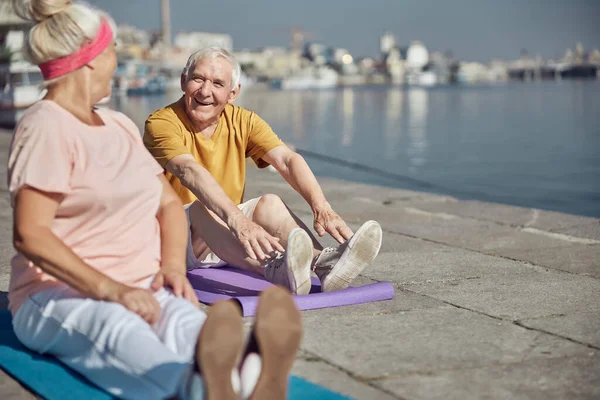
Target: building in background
<point x="269" y="62"/>
<point x="417" y="61"/>
<point x="193" y="41"/>
<point x="19" y="80"/>
<point x="132" y="43"/>
<point x="12" y="33"/>
<point x="387" y="42"/>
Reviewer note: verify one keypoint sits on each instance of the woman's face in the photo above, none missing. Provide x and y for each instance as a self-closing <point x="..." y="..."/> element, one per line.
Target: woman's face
<point x="101" y="75"/>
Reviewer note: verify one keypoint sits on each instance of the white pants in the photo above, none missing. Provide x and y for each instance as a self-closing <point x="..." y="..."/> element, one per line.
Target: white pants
<point x="113" y="347"/>
<point x="207" y="258"/>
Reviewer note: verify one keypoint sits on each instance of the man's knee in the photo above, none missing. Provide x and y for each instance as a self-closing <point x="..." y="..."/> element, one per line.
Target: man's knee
<point x="270" y="202"/>
<point x="271" y="205"/>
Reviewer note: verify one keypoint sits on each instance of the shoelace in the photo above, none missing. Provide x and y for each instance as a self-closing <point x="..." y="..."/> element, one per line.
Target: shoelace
<point x="325" y="253"/>
<point x="276" y="261"/>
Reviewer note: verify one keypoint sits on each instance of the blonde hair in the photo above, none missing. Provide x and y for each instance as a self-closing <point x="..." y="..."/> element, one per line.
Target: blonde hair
<point x="61" y="27"/>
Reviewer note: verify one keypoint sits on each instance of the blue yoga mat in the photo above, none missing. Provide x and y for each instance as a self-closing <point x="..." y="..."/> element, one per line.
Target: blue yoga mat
<point x="51" y="380"/>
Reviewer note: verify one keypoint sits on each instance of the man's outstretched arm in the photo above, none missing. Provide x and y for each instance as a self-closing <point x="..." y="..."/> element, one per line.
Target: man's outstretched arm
<point x="294" y="169"/>
<point x="257" y="242"/>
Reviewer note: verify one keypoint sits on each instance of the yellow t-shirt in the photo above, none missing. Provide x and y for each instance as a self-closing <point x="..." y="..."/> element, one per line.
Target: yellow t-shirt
<point x="239" y="134"/>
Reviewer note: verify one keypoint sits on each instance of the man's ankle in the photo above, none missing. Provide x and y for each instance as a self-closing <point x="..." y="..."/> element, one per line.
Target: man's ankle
<point x="313" y="263"/>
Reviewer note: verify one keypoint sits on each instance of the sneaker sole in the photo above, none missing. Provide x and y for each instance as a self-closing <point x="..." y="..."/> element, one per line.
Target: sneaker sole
<point x="362" y="250"/>
<point x="278" y="332"/>
<point x="219" y="348"/>
<point x="300" y="252"/>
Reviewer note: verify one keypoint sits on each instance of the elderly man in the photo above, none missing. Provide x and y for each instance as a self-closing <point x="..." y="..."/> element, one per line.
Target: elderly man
<point x="202" y="141"/>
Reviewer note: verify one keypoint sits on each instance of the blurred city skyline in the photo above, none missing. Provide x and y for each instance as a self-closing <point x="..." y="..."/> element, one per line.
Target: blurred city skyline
<point x="471" y="29"/>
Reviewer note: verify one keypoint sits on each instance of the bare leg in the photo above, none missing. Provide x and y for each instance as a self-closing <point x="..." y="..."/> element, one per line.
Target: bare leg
<point x="220" y="239"/>
<point x="276" y="218"/>
<point x="209" y="234"/>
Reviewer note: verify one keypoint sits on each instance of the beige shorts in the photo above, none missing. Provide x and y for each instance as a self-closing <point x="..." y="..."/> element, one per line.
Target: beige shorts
<point x="207" y="258"/>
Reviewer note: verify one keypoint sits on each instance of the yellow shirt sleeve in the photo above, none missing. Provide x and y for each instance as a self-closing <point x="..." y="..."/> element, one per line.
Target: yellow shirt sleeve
<point x="164" y="139"/>
<point x="261" y="140"/>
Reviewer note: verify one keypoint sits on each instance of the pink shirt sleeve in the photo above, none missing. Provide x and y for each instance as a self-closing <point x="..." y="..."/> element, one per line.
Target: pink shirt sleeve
<point x="40" y="156"/>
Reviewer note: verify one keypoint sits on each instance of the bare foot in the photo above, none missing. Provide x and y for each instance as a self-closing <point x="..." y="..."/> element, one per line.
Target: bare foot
<point x="218" y="350"/>
<point x="277" y="332"/>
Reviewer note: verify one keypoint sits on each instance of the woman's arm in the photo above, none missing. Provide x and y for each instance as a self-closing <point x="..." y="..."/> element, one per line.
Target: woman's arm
<point x="32" y="236"/>
<point x="173" y="228"/>
<point x="173" y="243"/>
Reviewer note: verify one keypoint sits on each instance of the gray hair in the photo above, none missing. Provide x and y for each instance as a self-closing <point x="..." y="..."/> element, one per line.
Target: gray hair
<point x="61" y="28"/>
<point x="211" y="53"/>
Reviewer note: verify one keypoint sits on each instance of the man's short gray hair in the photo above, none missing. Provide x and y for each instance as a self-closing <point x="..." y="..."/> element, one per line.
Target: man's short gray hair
<point x="211" y="53"/>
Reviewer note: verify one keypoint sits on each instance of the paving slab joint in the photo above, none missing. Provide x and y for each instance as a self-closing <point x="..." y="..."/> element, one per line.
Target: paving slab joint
<point x="522" y="325"/>
<point x="353" y="376"/>
<point x="517" y="323"/>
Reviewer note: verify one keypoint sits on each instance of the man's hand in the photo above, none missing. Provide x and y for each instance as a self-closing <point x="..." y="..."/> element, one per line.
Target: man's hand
<point x="177" y="281"/>
<point x="257" y="242"/>
<point x="137" y="300"/>
<point x="328" y="221"/>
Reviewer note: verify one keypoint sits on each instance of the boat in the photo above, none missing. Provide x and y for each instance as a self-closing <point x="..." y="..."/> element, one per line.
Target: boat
<point x="309" y="78"/>
<point x="425" y="78"/>
<point x="133" y="78"/>
<point x="143" y="86"/>
<point x="20" y="87"/>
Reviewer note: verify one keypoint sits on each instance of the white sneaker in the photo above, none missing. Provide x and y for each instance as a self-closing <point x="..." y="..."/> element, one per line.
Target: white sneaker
<point x="292" y="269"/>
<point x="337" y="267"/>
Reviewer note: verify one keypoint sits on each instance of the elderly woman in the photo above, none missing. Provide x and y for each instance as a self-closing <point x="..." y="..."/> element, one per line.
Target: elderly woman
<point x="99" y="279"/>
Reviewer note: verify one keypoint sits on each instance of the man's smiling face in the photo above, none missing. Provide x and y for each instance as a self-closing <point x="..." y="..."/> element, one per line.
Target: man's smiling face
<point x="208" y="90"/>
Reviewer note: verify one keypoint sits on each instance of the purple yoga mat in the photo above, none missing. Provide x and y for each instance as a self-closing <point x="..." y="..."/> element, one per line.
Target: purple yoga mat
<point x="214" y="284"/>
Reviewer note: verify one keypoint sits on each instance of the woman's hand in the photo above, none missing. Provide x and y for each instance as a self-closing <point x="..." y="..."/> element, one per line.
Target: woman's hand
<point x="137" y="300"/>
<point x="175" y="279"/>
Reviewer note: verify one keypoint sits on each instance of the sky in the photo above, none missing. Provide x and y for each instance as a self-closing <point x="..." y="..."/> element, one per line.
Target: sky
<point x="474" y="30"/>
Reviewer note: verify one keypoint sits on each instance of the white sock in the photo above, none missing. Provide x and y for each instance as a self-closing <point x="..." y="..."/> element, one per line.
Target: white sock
<point x="249" y="374"/>
<point x="235" y="381"/>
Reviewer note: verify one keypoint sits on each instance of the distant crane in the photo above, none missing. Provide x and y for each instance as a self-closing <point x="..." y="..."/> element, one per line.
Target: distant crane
<point x="298" y="36"/>
<point x="165" y="23"/>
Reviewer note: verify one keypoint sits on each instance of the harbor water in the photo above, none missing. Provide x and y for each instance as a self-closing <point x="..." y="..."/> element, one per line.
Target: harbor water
<point x="530" y="144"/>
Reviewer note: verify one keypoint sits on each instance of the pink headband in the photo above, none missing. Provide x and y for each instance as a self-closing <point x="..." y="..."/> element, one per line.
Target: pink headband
<point x="61" y="66"/>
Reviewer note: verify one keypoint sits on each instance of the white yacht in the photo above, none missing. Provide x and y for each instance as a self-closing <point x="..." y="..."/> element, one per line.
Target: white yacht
<point x="19" y="88"/>
<point x="424" y="78"/>
<point x="309" y="78"/>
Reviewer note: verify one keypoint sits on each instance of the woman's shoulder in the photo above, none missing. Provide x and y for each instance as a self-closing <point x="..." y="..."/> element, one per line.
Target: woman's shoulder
<point x="112" y="114"/>
<point x="42" y="118"/>
<point x="121" y="119"/>
<point x="42" y="110"/>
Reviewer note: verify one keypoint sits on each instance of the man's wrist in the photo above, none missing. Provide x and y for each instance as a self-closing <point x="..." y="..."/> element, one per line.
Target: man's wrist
<point x="234" y="217"/>
<point x="319" y="205"/>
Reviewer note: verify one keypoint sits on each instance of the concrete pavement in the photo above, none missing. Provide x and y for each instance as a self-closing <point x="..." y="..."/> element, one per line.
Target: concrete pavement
<point x="492" y="301"/>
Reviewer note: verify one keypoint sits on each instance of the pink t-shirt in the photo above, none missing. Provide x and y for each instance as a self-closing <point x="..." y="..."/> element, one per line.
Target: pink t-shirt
<point x="111" y="194"/>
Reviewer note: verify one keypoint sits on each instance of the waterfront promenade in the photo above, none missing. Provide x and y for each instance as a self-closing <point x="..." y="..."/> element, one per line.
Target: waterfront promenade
<point x="492" y="301"/>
